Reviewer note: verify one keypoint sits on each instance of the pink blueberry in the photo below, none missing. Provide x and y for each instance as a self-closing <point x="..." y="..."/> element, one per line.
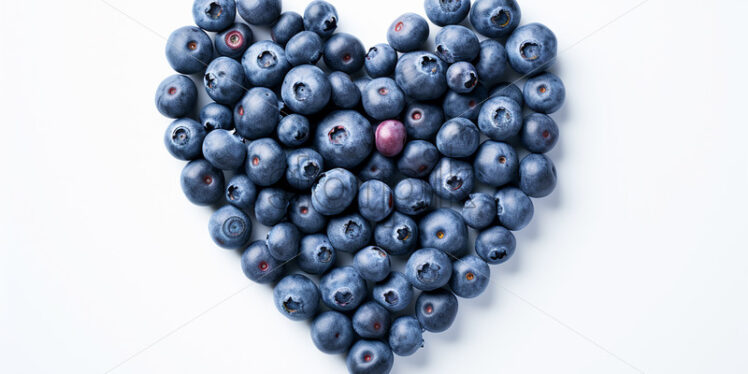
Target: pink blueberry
<point x="390" y="137"/>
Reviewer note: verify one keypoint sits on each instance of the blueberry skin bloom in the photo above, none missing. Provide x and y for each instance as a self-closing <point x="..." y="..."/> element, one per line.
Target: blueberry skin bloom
<point x="446" y="12"/>
<point x="259" y="266"/>
<point x="444" y="230"/>
<point x="176" y="96"/>
<point x="234" y="41"/>
<point x="259" y="12"/>
<point x="271" y="205"/>
<point x="458" y="137"/>
<point x="184" y="138"/>
<point x="470" y="276"/>
<point x="422" y="120"/>
<point x="537" y="175"/>
<point x="343" y="289"/>
<point x="349" y="233"/>
<point x="545" y="93"/>
<point x="304" y="48"/>
<point x="515" y="209"/>
<point x="413" y="196"/>
<point x="495" y="18"/>
<point x="241" y="192"/>
<point x="371" y="321"/>
<point x="408" y="32"/>
<point x="500" y="118"/>
<point x="224" y="81"/>
<point x="224" y="150"/>
<point x="344" y="52"/>
<point x="397" y="235"/>
<point x="452" y="179"/>
<point x="230" y="228"/>
<point x="436" y="310"/>
<point x="531" y="48"/>
<point x="462" y="77"/>
<point x="496" y="163"/>
<point x="428" y="269"/>
<point x="296" y="297"/>
<point x="540" y="133"/>
<point x="316" y="255"/>
<point x="492" y="62"/>
<point x="266" y="162"/>
<point x="293" y="130"/>
<point x="321" y="18"/>
<point x="380" y="61"/>
<point x="495" y="245"/>
<point x="418" y="159"/>
<point x="202" y="183"/>
<point x="302" y="214"/>
<point x="479" y="211"/>
<point x="189" y="50"/>
<point x="216" y="116"/>
<point x="373" y="263"/>
<point x="334" y="191"/>
<point x="378" y="167"/>
<point x="465" y="105"/>
<point x="406" y="335"/>
<point x="369" y="357"/>
<point x="303" y="167"/>
<point x="214" y="15"/>
<point x="375" y="200"/>
<point x="306" y="89"/>
<point x="383" y="99"/>
<point x="421" y="75"/>
<point x="394" y="293"/>
<point x="265" y="64"/>
<point x="257" y="113"/>
<point x="283" y="241"/>
<point x="509" y="90"/>
<point x="344" y="138"/>
<point x="456" y="43"/>
<point x="332" y="332"/>
<point x="345" y="94"/>
<point x="288" y="25"/>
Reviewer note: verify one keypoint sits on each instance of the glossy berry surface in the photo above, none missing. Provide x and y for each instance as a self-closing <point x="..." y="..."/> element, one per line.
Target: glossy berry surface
<point x="296" y="297"/>
<point x="316" y="254"/>
<point x="233" y="41"/>
<point x="436" y="310"/>
<point x="241" y="192"/>
<point x="344" y="138"/>
<point x="259" y="12"/>
<point x="176" y="96"/>
<point x="428" y="269"/>
<point x="514" y="208"/>
<point x="265" y="64"/>
<point x="266" y="162"/>
<point x="271" y="205"/>
<point x="230" y="228"/>
<point x="458" y="137"/>
<point x="390" y="137"/>
<point x="413" y="196"/>
<point x="375" y="200"/>
<point x="495" y="245"/>
<point x="446" y="12"/>
<point x="344" y="52"/>
<point x="368" y="357"/>
<point x="202" y="183"/>
<point x="452" y="179"/>
<point x="380" y="61"/>
<point x="305" y="47"/>
<point x="332" y="332"/>
<point x="418" y="159"/>
<point x="531" y="48"/>
<point x="479" y="210"/>
<point x="259" y="266"/>
<point x="334" y="191"/>
<point x="394" y="293"/>
<point x="373" y="263"/>
<point x="224" y="81"/>
<point x="445" y="230"/>
<point x="406" y="336"/>
<point x="408" y="33"/>
<point x="302" y="214"/>
<point x="540" y="133"/>
<point x="492" y="62"/>
<point x="306" y="89"/>
<point x="283" y="241"/>
<point x="349" y="233"/>
<point x="184" y="139"/>
<point x="496" y="163"/>
<point x="216" y="116"/>
<point x="456" y="43"/>
<point x="257" y="114"/>
<point x="462" y="77"/>
<point x="214" y="15"/>
<point x="383" y="99"/>
<point x="537" y="175"/>
<point x="345" y="94"/>
<point x="398" y="234"/>
<point x="189" y="50"/>
<point x="500" y="118"/>
<point x="421" y="75"/>
<point x="293" y="130"/>
<point x="495" y="18"/>
<point x="422" y="120"/>
<point x="371" y="321"/>
<point x="224" y="150"/>
<point x="378" y="167"/>
<point x="287" y="25"/>
<point x="303" y="166"/>
<point x="343" y="289"/>
<point x="464" y="105"/>
<point x="470" y="277"/>
<point x="321" y="18"/>
<point x="544" y="93"/>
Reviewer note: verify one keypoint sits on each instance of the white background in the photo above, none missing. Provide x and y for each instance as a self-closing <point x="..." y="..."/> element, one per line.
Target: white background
<point x="636" y="264"/>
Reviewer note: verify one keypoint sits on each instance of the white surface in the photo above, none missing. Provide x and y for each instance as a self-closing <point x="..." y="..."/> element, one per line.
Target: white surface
<point x="640" y="250"/>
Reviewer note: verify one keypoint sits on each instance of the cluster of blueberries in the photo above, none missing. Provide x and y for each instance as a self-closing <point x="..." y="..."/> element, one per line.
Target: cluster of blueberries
<point x="303" y="156"/>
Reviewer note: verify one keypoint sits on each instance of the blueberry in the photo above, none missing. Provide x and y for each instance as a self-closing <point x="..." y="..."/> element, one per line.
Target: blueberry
<point x="531" y="48"/>
<point x="514" y="208"/>
<point x="214" y="15"/>
<point x="283" y="241"/>
<point x="216" y="116"/>
<point x="479" y="211"/>
<point x="304" y="48"/>
<point x="349" y="233"/>
<point x="537" y="175"/>
<point x="230" y="228"/>
<point x="462" y="77"/>
<point x="271" y="205"/>
<point x="296" y="297"/>
<point x="375" y="200"/>
<point x="321" y="17"/>
<point x="500" y="118"/>
<point x="496" y="164"/>
<point x="397" y="235"/>
<point x="266" y="162"/>
<point x="332" y="332"/>
<point x="458" y="137"/>
<point x="257" y="114"/>
<point x="369" y="357"/>
<point x="394" y="293"/>
<point x="418" y="159"/>
<point x="495" y="18"/>
<point x="540" y="133"/>
<point x="470" y="276"/>
<point x="406" y="333"/>
<point x="265" y="64"/>
<point x="344" y="52"/>
<point x="202" y="183"/>
<point x="446" y="12"/>
<point x="288" y="25"/>
<point x="380" y="61"/>
<point x="428" y="269"/>
<point x="371" y="321"/>
<point x="334" y="191"/>
<point x="422" y="120"/>
<point x="452" y="179"/>
<point x="293" y="130"/>
<point x="345" y="94"/>
<point x="378" y="167"/>
<point x="373" y="263"/>
<point x="456" y="43"/>
<point x="259" y="12"/>
<point x="224" y="150"/>
<point x="421" y="75"/>
<point x="344" y="138"/>
<point x="361" y="83"/>
<point x="495" y="245"/>
<point x="259" y="266"/>
<point x="304" y="166"/>
<point x="465" y="105"/>
<point x="383" y="99"/>
<point x="189" y="50"/>
<point x="408" y="32"/>
<point x="544" y="93"/>
<point x="234" y="41"/>
<point x="306" y="89"/>
<point x="444" y="229"/>
<point x="343" y="289"/>
<point x="176" y="96"/>
<point x="184" y="139"/>
<point x="224" y="81"/>
<point x="241" y="192"/>
<point x="492" y="62"/>
<point x="302" y="214"/>
<point x="436" y="310"/>
<point x="509" y="90"/>
<point x="316" y="255"/>
<point x="390" y="137"/>
<point x="413" y="196"/>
